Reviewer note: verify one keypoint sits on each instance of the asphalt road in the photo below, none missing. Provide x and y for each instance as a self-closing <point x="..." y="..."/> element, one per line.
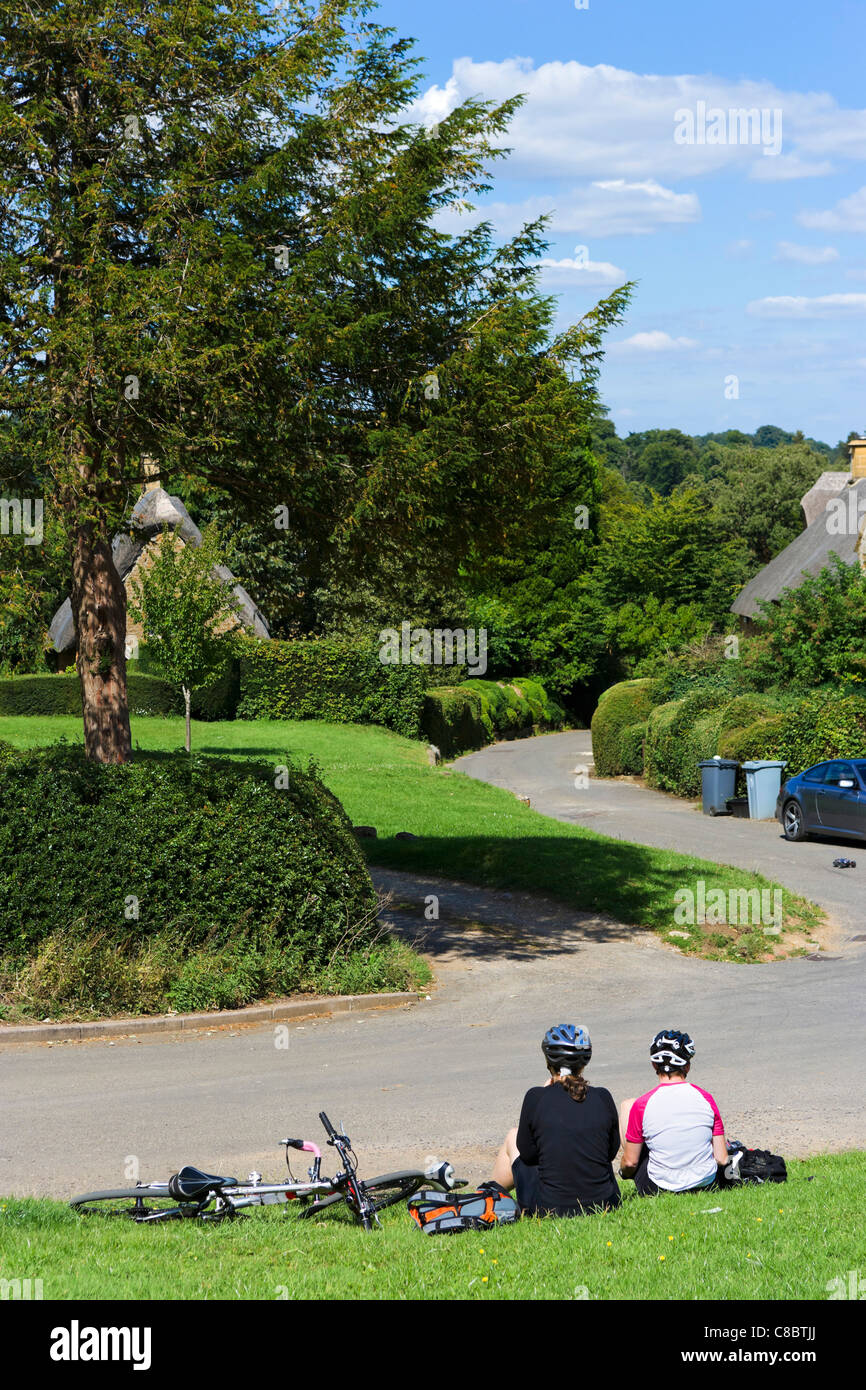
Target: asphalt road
<point x="782" y="1046"/>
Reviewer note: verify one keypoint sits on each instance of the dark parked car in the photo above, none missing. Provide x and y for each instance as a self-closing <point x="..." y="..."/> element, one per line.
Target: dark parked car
<point x="828" y="799"/>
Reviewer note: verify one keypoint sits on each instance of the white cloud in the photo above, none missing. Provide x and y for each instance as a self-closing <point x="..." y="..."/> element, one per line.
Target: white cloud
<point x="822" y="306"/>
<point x="849" y="215"/>
<point x="579" y="272"/>
<point x="608" y="207"/>
<point x="601" y="122"/>
<point x="806" y="255"/>
<point x="789" y="166"/>
<point x="654" y="341"/>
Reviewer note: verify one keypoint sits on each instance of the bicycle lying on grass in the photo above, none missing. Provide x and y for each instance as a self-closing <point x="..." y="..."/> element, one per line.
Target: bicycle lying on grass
<point x="192" y="1194"/>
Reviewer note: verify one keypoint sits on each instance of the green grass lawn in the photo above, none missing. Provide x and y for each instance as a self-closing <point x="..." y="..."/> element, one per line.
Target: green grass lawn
<point x="785" y="1241"/>
<point x="469" y="830"/>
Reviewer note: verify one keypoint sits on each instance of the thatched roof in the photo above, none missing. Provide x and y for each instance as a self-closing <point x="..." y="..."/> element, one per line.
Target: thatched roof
<point x="811" y="551"/>
<point x="828" y="486"/>
<point x="153" y="511"/>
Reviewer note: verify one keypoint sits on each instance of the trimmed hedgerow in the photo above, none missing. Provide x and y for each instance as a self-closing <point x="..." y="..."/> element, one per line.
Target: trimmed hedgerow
<point x="61" y="694"/>
<point x="463" y="717"/>
<point x="178" y="882"/>
<point x="453" y="719"/>
<point x="631" y="745"/>
<point x="329" y="678"/>
<point x="818" y="727"/>
<point x="749" y="742"/>
<point x="679" y="734"/>
<point x="621" y="705"/>
<point x="203" y="848"/>
<point x="504" y="712"/>
<point x="683" y="732"/>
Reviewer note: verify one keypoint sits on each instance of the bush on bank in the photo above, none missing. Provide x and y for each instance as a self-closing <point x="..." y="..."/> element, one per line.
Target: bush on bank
<point x="620" y="708"/>
<point x="666" y="747"/>
<point x="177" y="882"/>
<point x="459" y="718"/>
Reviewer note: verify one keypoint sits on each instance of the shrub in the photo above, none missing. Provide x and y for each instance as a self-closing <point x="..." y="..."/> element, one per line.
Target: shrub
<point x="753" y="741"/>
<point x="705" y="665"/>
<point x="505" y="712"/>
<point x="467" y="716"/>
<point x="329" y="678"/>
<point x="819" y="727"/>
<point x="622" y="705"/>
<point x="61" y="694"/>
<point x="816" y="632"/>
<point x="453" y="719"/>
<point x="631" y="746"/>
<point x="201" y="853"/>
<point x="683" y="732"/>
<point x="679" y="734"/>
<point x="546" y="713"/>
<point x="212" y="703"/>
<point x="78" y="974"/>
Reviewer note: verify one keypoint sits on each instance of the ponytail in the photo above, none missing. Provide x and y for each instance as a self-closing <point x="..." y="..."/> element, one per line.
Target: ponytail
<point x="576" y="1086"/>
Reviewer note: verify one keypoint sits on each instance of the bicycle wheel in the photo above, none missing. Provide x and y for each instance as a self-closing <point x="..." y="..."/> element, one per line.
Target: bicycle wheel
<point x="383" y="1192"/>
<point x="135" y="1203"/>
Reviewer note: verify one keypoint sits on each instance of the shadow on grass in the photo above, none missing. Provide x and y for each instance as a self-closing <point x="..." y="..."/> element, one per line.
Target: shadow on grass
<point x="610" y="890"/>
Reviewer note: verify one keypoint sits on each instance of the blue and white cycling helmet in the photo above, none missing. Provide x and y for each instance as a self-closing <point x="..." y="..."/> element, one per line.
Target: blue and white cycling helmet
<point x="671" y="1050"/>
<point x="567" y="1045"/>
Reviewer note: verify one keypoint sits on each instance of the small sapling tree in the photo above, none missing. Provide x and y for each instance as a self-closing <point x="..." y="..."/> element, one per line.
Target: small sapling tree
<point x="186" y="610"/>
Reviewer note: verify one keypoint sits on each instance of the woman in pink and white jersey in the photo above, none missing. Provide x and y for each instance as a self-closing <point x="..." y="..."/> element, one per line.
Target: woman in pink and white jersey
<point x="673" y="1137"/>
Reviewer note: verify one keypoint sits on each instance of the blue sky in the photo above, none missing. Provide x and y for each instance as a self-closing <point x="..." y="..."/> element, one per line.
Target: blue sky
<point x="751" y="304"/>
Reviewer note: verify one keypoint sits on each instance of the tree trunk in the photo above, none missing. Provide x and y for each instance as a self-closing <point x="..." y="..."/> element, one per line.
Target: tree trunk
<point x="99" y="610"/>
<point x="187" y="694"/>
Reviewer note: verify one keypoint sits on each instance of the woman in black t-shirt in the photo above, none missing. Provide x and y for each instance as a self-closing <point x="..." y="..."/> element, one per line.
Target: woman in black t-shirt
<point x="559" y="1159"/>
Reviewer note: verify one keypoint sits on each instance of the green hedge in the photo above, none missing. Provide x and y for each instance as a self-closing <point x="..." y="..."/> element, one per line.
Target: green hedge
<point x="620" y="706"/>
<point x="631" y="748"/>
<point x="177" y="854"/>
<point x="459" y="718"/>
<point x="683" y="732"/>
<point x="48" y="695"/>
<point x="818" y="727"/>
<point x="453" y="719"/>
<point x="749" y="742"/>
<point x="329" y="678"/>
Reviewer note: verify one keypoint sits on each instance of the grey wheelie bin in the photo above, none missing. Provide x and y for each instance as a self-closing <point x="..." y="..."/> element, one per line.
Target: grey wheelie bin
<point x="763" y="780"/>
<point x="718" y="783"/>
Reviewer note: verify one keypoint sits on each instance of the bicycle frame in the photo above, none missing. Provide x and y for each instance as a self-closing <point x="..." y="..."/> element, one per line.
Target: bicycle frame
<point x="193" y="1194"/>
<point x="254" y="1193"/>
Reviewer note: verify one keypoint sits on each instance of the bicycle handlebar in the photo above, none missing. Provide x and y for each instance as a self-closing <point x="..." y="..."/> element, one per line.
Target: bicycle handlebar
<point x="329" y="1128"/>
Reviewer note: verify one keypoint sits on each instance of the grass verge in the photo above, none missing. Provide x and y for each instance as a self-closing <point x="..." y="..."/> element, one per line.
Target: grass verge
<point x="786" y="1241"/>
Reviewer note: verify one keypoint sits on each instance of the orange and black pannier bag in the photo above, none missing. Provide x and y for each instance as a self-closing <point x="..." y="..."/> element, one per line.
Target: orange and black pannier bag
<point x="438" y="1214"/>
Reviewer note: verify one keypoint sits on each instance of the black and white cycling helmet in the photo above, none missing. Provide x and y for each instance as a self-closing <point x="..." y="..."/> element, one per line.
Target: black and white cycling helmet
<point x="671" y="1050"/>
<point x="567" y="1045"/>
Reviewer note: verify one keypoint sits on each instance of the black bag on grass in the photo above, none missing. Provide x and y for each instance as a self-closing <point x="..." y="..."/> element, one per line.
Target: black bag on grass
<point x="753" y="1165"/>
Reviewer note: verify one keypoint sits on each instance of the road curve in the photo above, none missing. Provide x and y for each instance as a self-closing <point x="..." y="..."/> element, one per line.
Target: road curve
<point x="543" y="769"/>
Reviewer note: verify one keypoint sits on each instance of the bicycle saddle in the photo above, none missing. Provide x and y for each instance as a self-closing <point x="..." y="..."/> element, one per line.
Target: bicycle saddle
<point x="191" y="1184"/>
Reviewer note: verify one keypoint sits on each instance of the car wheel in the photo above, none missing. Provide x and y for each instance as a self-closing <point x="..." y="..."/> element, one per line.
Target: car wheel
<point x="793" y="823"/>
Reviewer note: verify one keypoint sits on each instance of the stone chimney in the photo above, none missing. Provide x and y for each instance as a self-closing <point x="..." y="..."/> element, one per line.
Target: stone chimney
<point x="857" y="455"/>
